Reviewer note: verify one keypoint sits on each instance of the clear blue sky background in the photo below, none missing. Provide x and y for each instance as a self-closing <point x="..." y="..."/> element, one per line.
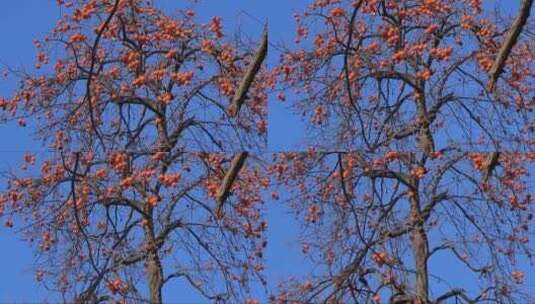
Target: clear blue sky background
<point x="21" y="21"/>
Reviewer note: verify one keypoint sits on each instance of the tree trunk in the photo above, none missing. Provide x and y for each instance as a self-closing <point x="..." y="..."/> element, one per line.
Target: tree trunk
<point x="153" y="266"/>
<point x="424" y="138"/>
<point x="420" y="250"/>
<point x="153" y="263"/>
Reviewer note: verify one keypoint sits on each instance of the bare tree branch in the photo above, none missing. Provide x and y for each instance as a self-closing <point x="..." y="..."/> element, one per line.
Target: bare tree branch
<point x="492" y="162"/>
<point x="510" y="41"/>
<point x="249" y="76"/>
<point x="224" y="190"/>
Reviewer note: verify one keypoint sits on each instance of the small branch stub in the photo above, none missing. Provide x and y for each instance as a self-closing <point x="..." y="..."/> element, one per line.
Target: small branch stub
<point x="491" y="163"/>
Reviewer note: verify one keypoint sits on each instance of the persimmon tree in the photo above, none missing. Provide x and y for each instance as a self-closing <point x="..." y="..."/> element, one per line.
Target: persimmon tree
<point x="427" y="74"/>
<point x="374" y="225"/>
<point x="420" y="113"/>
<point x="432" y="103"/>
<point x="140" y="113"/>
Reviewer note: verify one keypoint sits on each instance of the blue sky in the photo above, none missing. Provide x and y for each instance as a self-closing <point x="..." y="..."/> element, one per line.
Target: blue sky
<point x="22" y="21"/>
